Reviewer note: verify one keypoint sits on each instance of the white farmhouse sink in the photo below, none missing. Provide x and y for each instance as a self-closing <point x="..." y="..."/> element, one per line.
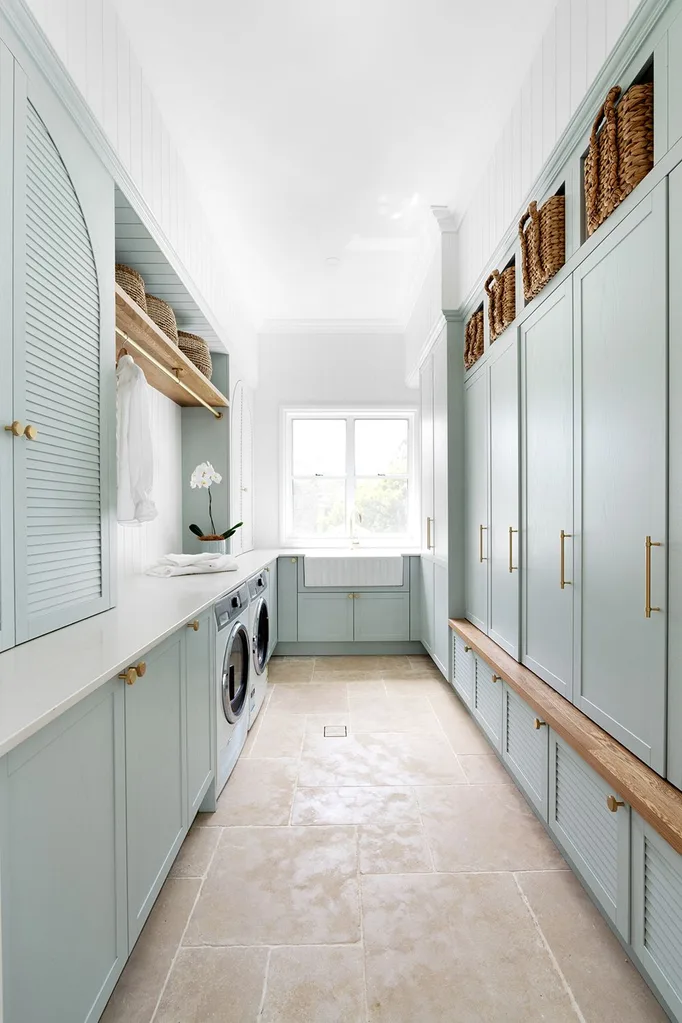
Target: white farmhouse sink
<point x="353" y="568"/>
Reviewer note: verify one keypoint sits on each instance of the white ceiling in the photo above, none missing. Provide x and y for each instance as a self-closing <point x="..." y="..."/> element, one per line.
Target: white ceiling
<point x="319" y="132"/>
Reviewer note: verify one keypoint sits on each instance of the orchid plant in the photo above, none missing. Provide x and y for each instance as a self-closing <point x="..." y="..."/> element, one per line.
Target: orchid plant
<point x="203" y="477"/>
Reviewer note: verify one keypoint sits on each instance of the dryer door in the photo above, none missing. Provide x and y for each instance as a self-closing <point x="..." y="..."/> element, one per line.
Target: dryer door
<point x="235" y="675"/>
<point x="261" y="636"/>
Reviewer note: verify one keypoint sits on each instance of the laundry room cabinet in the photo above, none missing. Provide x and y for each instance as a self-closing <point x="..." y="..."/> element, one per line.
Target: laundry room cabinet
<point x="56" y="363"/>
<point x="674" y="759"/>
<point x="200" y="674"/>
<point x="476" y="463"/>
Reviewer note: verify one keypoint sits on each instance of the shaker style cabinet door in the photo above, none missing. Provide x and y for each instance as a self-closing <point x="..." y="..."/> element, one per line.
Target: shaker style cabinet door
<point x="427" y="480"/>
<point x="63" y="373"/>
<point x="439" y="536"/>
<point x="547" y="491"/>
<point x="477" y="540"/>
<point x="674" y="766"/>
<point x="504" y="499"/>
<point x="199" y="647"/>
<point x="620" y="328"/>
<point x="6" y="314"/>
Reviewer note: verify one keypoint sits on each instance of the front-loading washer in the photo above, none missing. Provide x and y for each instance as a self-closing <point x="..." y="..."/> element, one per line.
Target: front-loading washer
<point x="259" y="618"/>
<point x="233" y="662"/>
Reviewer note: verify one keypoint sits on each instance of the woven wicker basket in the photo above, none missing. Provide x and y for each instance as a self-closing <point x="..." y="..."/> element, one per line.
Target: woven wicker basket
<point x="473" y="339"/>
<point x="621" y="153"/>
<point x="163" y="316"/>
<point x="196" y="350"/>
<point x="543" y="244"/>
<point x="131" y="282"/>
<point x="501" y="291"/>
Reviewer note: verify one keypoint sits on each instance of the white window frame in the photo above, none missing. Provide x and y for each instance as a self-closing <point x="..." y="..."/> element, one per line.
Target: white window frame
<point x="408" y="539"/>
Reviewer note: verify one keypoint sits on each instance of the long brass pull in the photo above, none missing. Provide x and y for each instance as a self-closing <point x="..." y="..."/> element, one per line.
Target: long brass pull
<point x="429" y="545"/>
<point x="648" y="544"/>
<point x="512" y="567"/>
<point x="480" y="543"/>
<point x="563" y="581"/>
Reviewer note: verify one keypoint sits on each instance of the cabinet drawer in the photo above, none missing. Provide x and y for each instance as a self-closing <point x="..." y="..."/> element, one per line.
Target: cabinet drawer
<point x="525" y="748"/>
<point x="657" y="911"/>
<point x="462" y="669"/>
<point x="325" y="617"/>
<point x="596" y="840"/>
<point x="487" y="701"/>
<point x="381" y="617"/>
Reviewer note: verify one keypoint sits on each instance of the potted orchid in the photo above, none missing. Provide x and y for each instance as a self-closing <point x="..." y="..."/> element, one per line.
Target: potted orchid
<point x="203" y="477"/>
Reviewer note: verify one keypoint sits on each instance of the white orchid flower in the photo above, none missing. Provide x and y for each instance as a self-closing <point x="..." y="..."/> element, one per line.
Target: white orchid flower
<point x="203" y="476"/>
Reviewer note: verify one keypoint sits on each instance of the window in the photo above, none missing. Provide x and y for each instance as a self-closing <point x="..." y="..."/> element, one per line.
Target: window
<point x="349" y="476"/>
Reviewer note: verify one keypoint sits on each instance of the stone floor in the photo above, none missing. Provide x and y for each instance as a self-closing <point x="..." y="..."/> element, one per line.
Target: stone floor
<point x="392" y="876"/>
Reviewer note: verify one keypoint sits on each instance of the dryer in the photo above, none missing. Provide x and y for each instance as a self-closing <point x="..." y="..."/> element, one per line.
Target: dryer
<point x="259" y="618"/>
<point x="233" y="662"/>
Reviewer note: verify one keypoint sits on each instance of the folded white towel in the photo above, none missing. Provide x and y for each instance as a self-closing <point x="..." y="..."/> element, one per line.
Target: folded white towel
<point x="192" y="564"/>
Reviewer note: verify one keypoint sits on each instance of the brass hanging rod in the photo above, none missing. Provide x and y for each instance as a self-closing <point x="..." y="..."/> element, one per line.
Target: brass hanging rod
<point x="169" y="373"/>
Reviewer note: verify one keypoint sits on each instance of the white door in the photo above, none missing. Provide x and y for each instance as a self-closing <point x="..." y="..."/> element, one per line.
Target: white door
<point x="547" y="473"/>
<point x="621" y="464"/>
<point x="504" y="498"/>
<point x="476" y="497"/>
<point x="440" y="448"/>
<point x="426" y="387"/>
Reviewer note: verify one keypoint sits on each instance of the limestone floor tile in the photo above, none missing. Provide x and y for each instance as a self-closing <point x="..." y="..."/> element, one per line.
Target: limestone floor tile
<point x="484" y="769"/>
<point x="355" y="805"/>
<point x="315" y="723"/>
<point x="290" y="669"/>
<point x="393" y="849"/>
<point x="279" y="886"/>
<point x="214" y="985"/>
<point x="424" y="667"/>
<point x="417" y="686"/>
<point x="456" y="949"/>
<point x="258" y="792"/>
<point x="280" y="735"/>
<point x="312" y="698"/>
<point x="380" y="758"/>
<point x="605" y="984"/>
<point x="196" y="851"/>
<point x="315" y="985"/>
<point x="359" y="667"/>
<point x="484" y="827"/>
<point x="135" y="996"/>
<point x="462" y="733"/>
<point x="391" y="713"/>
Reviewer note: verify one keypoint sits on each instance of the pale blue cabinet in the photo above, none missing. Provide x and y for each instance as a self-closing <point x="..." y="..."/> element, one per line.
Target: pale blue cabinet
<point x="487" y="701"/>
<point x="199" y="647"/>
<point x="155" y="777"/>
<point x="675" y="81"/>
<point x="63" y="865"/>
<point x="547" y="491"/>
<point x="674" y="760"/>
<point x="428" y="604"/>
<point x="287" y="600"/>
<point x="6" y="314"/>
<point x="463" y="666"/>
<point x="525" y="748"/>
<point x="620" y="324"/>
<point x="272" y="606"/>
<point x="441" y="628"/>
<point x="325" y="617"/>
<point x="381" y="617"/>
<point x="476" y="461"/>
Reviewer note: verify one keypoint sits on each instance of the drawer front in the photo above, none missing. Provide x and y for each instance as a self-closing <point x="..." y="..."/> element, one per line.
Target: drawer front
<point x="487" y="702"/>
<point x="596" y="839"/>
<point x="525" y="748"/>
<point x="657" y="911"/>
<point x="462" y="669"/>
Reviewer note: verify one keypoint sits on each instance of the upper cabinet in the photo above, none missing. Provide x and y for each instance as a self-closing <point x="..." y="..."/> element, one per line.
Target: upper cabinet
<point x="57" y="445"/>
<point x="476" y="541"/>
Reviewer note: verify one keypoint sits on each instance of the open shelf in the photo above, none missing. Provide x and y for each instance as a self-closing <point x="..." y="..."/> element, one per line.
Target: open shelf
<point x="181" y="382"/>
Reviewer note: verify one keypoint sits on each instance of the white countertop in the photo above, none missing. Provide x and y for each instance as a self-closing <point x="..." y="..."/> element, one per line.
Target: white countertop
<point x="41" y="679"/>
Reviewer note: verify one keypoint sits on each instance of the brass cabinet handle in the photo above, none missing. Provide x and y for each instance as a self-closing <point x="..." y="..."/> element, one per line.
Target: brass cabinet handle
<point x="294" y="560"/>
<point x="350" y="596"/>
<point x="141" y="669"/>
<point x="496" y="678"/>
<point x="563" y="581"/>
<point x="193" y="625"/>
<point x="466" y="649"/>
<point x="539" y="724"/>
<point x="15" y="428"/>
<point x="480" y="543"/>
<point x="648" y="544"/>
<point x="512" y="567"/>
<point x="613" y="803"/>
<point x="130" y="676"/>
<point x="30" y="432"/>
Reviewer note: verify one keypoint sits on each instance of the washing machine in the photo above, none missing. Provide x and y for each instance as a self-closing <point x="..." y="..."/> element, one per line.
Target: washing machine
<point x="233" y="662"/>
<point x="259" y="619"/>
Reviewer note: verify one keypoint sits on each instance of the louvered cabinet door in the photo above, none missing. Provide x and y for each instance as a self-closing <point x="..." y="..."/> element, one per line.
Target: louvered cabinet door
<point x="657" y="911"/>
<point x="63" y="370"/>
<point x="525" y="748"/>
<point x="462" y="669"/>
<point x="487" y="701"/>
<point x="595" y="839"/>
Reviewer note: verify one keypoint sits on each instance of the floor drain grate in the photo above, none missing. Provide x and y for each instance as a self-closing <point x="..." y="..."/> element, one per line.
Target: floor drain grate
<point x="335" y="731"/>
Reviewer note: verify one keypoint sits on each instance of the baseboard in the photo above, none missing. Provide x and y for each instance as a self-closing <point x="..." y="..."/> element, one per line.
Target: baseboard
<point x="349" y="649"/>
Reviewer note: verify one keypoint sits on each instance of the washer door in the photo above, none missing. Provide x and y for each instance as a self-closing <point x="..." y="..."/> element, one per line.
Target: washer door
<point x="261" y="636"/>
<point x="235" y="675"/>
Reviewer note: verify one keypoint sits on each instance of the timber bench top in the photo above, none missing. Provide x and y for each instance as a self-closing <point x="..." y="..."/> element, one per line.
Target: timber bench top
<point x="653" y="798"/>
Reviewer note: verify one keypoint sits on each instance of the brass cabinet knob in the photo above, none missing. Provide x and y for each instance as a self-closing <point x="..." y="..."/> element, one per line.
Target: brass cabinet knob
<point x="538" y="723"/>
<point x="16" y="429"/>
<point x="614" y="803"/>
<point x="193" y="625"/>
<point x="467" y="649"/>
<point x="130" y="676"/>
<point x="30" y="433"/>
<point x="350" y="596"/>
<point x="141" y="669"/>
<point x="497" y="678"/>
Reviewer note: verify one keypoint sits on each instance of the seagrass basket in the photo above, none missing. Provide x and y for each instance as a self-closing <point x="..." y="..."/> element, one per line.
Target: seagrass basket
<point x="501" y="291"/>
<point x="197" y="351"/>
<point x="163" y="316"/>
<point x="543" y="244"/>
<point x="621" y="151"/>
<point x="132" y="283"/>
<point x="473" y="339"/>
